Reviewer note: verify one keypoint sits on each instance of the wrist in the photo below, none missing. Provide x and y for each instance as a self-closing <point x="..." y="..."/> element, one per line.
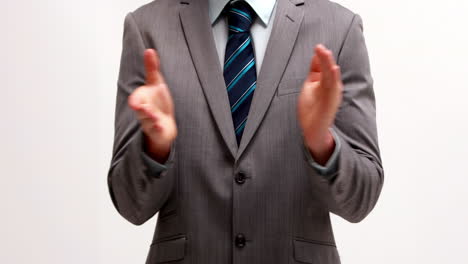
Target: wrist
<point x="159" y="152"/>
<point x="320" y="145"/>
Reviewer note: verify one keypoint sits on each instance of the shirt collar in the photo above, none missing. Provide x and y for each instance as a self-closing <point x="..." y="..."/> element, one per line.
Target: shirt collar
<point x="263" y="8"/>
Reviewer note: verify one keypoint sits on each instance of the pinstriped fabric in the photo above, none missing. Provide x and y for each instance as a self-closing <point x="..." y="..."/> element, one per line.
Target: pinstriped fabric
<point x="239" y="63"/>
<point x="283" y="207"/>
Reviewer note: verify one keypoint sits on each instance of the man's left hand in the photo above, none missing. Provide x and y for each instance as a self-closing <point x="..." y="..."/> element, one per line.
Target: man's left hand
<point x="318" y="103"/>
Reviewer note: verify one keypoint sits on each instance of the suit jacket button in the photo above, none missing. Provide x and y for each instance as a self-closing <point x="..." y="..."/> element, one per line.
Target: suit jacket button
<point x="240" y="178"/>
<point x="240" y="240"/>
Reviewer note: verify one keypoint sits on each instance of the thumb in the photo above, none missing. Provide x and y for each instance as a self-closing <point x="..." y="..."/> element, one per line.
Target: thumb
<point x="151" y="66"/>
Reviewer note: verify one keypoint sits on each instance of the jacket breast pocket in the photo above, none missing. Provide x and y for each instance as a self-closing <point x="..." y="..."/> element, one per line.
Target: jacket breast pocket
<point x="167" y="249"/>
<point x="311" y="251"/>
<point x="290" y="86"/>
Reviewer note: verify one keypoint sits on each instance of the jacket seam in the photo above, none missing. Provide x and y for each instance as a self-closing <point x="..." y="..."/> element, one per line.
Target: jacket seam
<point x="138" y="29"/>
<point x="345" y="39"/>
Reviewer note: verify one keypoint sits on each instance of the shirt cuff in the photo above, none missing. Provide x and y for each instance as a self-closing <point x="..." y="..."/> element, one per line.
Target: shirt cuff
<point x="330" y="169"/>
<point x="155" y="166"/>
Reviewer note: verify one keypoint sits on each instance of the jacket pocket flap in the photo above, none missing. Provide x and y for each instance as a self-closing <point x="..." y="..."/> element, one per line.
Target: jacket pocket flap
<point x="289" y="86"/>
<point x="167" y="250"/>
<point x="310" y="251"/>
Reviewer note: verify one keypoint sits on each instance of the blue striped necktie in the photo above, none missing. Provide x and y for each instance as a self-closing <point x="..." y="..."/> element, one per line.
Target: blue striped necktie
<point x="239" y="63"/>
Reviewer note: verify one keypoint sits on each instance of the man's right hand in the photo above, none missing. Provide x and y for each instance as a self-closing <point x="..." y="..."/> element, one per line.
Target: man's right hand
<point x="155" y="109"/>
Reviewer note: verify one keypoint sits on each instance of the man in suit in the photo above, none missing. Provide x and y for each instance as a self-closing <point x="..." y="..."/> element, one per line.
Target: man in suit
<point x="244" y="124"/>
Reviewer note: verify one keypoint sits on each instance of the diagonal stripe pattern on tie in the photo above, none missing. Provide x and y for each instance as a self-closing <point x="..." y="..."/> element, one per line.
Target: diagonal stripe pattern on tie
<point x="239" y="63"/>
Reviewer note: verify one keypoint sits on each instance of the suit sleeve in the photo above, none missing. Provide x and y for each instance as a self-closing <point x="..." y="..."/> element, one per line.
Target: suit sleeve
<point x="355" y="188"/>
<point x="138" y="185"/>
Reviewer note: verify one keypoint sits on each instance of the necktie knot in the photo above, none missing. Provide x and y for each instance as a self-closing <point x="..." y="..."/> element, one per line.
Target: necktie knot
<point x="240" y="17"/>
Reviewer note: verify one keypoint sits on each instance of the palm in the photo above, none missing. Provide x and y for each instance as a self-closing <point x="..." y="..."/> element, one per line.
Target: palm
<point x="320" y="96"/>
<point x="154" y="105"/>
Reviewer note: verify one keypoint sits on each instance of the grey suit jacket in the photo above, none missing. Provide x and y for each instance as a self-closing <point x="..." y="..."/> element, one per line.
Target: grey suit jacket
<point x="260" y="202"/>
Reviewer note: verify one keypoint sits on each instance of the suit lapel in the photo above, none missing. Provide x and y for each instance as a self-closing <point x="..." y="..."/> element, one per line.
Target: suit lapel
<point x="199" y="36"/>
<point x="286" y="25"/>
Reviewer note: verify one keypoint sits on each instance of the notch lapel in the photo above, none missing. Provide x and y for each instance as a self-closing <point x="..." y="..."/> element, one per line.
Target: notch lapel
<point x="199" y="35"/>
<point x="285" y="29"/>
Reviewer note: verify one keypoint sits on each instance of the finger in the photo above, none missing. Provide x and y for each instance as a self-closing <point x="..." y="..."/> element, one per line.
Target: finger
<point x="144" y="116"/>
<point x="337" y="77"/>
<point x="325" y="57"/>
<point x="151" y="66"/>
<point x="150" y="121"/>
<point x="147" y="113"/>
<point x="157" y="127"/>
<point x="326" y="63"/>
<point x="148" y="127"/>
<point x="315" y="64"/>
<point x="314" y="70"/>
<point x="165" y="100"/>
<point x="337" y="72"/>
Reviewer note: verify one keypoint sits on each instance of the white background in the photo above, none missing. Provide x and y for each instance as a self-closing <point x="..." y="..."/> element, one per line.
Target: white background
<point x="59" y="61"/>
